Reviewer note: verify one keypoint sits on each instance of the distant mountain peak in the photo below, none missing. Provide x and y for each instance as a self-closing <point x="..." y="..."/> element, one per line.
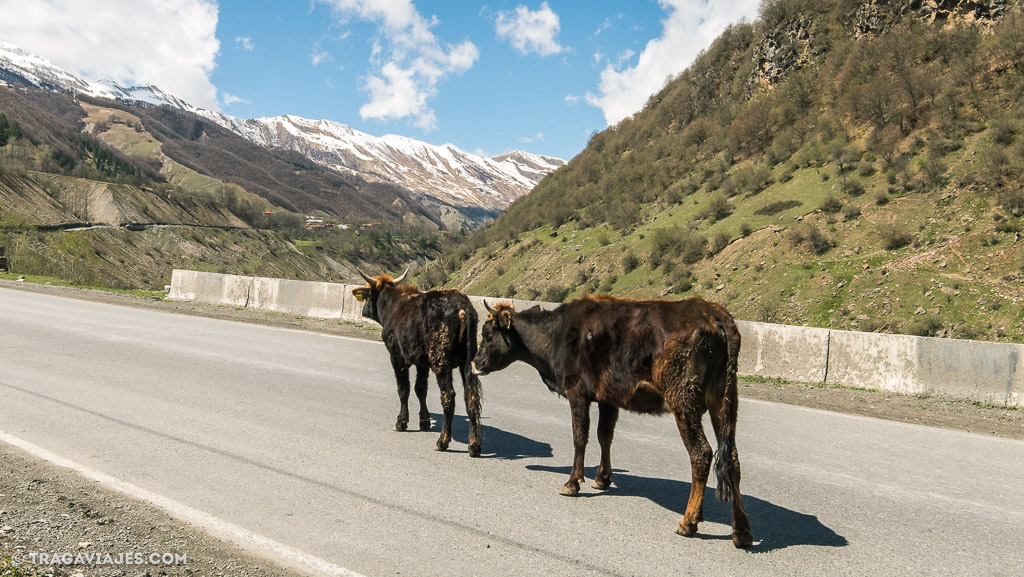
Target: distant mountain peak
<point x="469" y="184"/>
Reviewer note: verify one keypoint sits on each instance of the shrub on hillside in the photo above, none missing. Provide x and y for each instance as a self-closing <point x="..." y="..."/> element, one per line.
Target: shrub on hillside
<point x="629" y="262"/>
<point x="1012" y="200"/>
<point x="928" y="326"/>
<point x="717" y="209"/>
<point x="777" y="207"/>
<point x="677" y="242"/>
<point x="852" y="187"/>
<point x="813" y="237"/>
<point x="718" y="242"/>
<point x="831" y="204"/>
<point x="556" y="293"/>
<point x="1002" y="130"/>
<point x="751" y="179"/>
<point x="895" y="237"/>
<point x="851" y="212"/>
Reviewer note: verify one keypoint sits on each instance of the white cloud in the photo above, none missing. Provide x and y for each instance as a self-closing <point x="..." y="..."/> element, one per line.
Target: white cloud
<point x="690" y="26"/>
<point x="407" y="61"/>
<point x="530" y="30"/>
<point x="229" y="99"/>
<point x="572" y="98"/>
<point x="623" y="57"/>
<point x="318" y="57"/>
<point x="607" y="24"/>
<point x="245" y="43"/>
<point x="169" y="43"/>
<point x="535" y="138"/>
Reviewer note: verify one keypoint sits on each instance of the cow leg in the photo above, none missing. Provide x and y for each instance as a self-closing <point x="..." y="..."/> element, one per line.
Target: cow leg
<point x="421" y="394"/>
<point x="726" y="436"/>
<point x="402" y="376"/>
<point x="580" y="407"/>
<point x="444" y="381"/>
<point x="606" y="419"/>
<point x="688" y="411"/>
<point x="471" y="395"/>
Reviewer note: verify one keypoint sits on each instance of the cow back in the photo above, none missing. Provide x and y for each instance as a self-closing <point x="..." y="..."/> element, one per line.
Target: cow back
<point x="618" y="346"/>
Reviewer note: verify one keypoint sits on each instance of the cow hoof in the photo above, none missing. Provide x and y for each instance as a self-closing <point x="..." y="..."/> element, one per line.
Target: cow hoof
<point x="601" y="483"/>
<point x="686" y="530"/>
<point x="742" y="539"/>
<point x="474" y="449"/>
<point x="441" y="446"/>
<point x="401" y="427"/>
<point x="425" y="425"/>
<point x="569" y="490"/>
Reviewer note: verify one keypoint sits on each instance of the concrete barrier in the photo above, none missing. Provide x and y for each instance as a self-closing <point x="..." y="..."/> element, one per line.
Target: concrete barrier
<point x="209" y="287"/>
<point x="783" y="352"/>
<point x="985" y="371"/>
<point x="978" y="370"/>
<point x="351" y="309"/>
<point x="309" y="299"/>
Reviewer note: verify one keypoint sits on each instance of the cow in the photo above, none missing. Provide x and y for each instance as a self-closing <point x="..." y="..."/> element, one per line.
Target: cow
<point x="433" y="330"/>
<point x="645" y="356"/>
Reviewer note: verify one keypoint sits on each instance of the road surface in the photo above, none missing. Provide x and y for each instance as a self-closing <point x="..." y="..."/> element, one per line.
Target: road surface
<point x="288" y="434"/>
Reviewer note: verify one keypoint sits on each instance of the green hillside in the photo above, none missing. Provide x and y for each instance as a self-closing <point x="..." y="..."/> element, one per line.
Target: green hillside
<point x="846" y="164"/>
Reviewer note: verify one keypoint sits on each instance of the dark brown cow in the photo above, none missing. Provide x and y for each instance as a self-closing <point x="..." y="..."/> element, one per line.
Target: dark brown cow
<point x="648" y="356"/>
<point x="435" y="330"/>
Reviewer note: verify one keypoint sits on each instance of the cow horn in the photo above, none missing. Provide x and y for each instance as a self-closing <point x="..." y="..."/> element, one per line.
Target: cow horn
<point x="488" y="308"/>
<point x="402" y="278"/>
<point x="367" y="278"/>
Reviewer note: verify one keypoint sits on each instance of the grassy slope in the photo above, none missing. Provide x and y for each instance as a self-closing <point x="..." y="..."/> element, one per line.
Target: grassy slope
<point x="959" y="275"/>
<point x="124" y="131"/>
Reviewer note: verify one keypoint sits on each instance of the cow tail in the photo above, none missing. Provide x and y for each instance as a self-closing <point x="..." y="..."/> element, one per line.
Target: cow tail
<point x="727" y="463"/>
<point x="474" y="391"/>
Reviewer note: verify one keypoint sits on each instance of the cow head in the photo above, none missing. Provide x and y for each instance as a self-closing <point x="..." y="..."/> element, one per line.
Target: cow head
<point x="499" y="344"/>
<point x="369" y="294"/>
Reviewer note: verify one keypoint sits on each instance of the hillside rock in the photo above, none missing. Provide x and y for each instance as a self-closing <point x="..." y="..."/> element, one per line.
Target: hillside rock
<point x="784" y="48"/>
<point x="877" y="16"/>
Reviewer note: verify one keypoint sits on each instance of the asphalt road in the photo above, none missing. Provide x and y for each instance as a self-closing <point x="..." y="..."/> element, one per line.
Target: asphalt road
<point x="289" y="434"/>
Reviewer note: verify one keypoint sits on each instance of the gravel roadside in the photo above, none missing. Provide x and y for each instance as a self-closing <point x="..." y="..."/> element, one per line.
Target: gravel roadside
<point x="47" y="510"/>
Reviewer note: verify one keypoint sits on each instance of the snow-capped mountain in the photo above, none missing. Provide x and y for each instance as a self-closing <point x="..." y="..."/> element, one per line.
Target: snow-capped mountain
<point x="446" y="173"/>
<point x="461" y="185"/>
<point x="19" y="66"/>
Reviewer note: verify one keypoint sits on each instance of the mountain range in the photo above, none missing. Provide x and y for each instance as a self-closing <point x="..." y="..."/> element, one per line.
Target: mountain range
<point x="457" y="187"/>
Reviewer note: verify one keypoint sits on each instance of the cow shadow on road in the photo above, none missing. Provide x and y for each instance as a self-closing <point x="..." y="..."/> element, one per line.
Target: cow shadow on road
<point x="495" y="443"/>
<point x="774" y="527"/>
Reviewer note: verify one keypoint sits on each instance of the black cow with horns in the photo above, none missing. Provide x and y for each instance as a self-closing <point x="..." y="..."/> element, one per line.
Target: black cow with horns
<point x="435" y="330"/>
<point x="646" y="356"/>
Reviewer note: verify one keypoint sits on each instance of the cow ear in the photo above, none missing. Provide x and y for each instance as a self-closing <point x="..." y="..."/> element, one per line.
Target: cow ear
<point x="359" y="293"/>
<point x="505" y="319"/>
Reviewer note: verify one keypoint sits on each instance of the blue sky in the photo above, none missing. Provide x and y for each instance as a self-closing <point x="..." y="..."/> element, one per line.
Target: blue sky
<point x="488" y="77"/>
